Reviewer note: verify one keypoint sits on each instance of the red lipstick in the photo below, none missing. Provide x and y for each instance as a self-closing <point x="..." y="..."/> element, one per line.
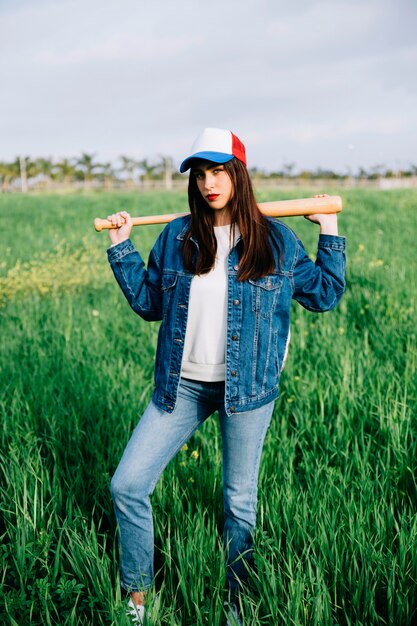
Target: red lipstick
<point x="212" y="196"/>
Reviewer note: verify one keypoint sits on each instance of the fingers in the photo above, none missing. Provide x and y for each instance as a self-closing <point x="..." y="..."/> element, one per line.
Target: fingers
<point x="123" y="224"/>
<point x="119" y="219"/>
<point x="322" y="195"/>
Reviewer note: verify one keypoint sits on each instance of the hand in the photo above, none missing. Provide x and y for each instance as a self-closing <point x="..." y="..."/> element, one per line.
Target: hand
<point x="123" y="221"/>
<point x="327" y="221"/>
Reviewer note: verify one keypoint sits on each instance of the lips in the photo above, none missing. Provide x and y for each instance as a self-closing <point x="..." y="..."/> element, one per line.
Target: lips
<point x="212" y="196"/>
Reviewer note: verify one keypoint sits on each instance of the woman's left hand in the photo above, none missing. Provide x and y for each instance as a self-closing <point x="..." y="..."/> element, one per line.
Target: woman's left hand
<point x="327" y="221"/>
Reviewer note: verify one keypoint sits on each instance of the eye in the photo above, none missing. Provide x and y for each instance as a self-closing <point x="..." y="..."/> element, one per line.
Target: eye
<point x="218" y="169"/>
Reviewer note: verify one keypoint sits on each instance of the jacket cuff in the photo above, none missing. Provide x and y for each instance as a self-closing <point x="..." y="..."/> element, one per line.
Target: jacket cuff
<point x="118" y="251"/>
<point x="334" y="242"/>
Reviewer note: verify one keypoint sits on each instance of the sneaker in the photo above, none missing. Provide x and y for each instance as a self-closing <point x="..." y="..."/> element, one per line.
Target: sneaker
<point x="136" y="612"/>
<point x="233" y="614"/>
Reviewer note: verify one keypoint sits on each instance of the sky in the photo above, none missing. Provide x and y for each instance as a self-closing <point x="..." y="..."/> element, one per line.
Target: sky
<point x="316" y="83"/>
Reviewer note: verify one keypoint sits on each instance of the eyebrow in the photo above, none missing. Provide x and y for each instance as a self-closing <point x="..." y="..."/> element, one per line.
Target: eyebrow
<point x="198" y="170"/>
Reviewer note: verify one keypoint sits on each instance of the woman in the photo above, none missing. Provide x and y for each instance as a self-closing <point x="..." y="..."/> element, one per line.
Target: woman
<point x="221" y="280"/>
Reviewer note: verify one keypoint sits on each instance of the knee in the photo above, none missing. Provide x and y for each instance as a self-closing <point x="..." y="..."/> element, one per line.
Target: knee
<point x="128" y="487"/>
<point x="116" y="486"/>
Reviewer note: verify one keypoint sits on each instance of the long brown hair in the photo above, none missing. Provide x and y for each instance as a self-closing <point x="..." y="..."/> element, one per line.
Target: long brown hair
<point x="257" y="259"/>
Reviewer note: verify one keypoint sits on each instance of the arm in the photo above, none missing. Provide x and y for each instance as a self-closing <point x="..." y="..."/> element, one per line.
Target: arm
<point x="140" y="286"/>
<point x="319" y="286"/>
<point x="328" y="223"/>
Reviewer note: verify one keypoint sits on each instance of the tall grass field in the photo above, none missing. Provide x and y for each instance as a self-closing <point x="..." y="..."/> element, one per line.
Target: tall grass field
<point x="336" y="539"/>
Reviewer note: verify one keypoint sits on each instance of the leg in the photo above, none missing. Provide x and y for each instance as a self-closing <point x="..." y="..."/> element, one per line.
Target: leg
<point x="154" y="442"/>
<point x="243" y="435"/>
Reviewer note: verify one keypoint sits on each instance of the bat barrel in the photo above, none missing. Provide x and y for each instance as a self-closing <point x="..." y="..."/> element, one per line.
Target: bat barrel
<point x="302" y="206"/>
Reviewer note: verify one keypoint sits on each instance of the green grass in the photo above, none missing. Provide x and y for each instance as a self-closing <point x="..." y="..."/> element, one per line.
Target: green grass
<point x="336" y="541"/>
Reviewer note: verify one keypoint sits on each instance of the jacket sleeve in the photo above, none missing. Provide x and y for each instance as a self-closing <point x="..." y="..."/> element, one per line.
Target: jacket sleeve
<point x="319" y="285"/>
<point x="141" y="286"/>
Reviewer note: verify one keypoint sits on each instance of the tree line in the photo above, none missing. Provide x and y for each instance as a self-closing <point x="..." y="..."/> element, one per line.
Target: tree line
<point x="24" y="173"/>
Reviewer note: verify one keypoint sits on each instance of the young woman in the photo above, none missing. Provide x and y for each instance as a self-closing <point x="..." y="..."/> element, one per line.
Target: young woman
<point x="221" y="280"/>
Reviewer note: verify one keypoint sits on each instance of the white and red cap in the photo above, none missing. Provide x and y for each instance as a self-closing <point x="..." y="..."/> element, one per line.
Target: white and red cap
<point x="217" y="145"/>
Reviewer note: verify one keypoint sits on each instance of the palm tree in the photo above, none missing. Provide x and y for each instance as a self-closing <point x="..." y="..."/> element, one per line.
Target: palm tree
<point x="45" y="167"/>
<point x="288" y="168"/>
<point x="107" y="175"/>
<point x="8" y="173"/>
<point x="148" y="172"/>
<point x="88" y="168"/>
<point x="22" y="165"/>
<point x="167" y="171"/>
<point x="129" y="166"/>
<point x="65" y="171"/>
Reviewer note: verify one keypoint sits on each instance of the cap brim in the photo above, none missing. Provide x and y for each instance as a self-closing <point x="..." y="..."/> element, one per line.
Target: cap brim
<point x="215" y="157"/>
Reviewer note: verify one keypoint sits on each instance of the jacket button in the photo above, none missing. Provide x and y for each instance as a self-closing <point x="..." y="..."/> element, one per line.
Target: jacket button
<point x="236" y="302"/>
<point x="236" y="267"/>
<point x="234" y="373"/>
<point x="234" y="337"/>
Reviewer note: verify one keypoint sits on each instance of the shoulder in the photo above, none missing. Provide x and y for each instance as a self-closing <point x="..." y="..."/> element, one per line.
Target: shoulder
<point x="285" y="242"/>
<point x="177" y="227"/>
<point x="168" y="242"/>
<point x="282" y="232"/>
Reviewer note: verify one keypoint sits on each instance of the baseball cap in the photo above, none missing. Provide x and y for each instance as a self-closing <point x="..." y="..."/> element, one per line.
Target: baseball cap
<point x="215" y="144"/>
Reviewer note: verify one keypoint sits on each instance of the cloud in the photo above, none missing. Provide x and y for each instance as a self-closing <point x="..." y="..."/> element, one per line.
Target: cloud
<point x="318" y="131"/>
<point x="118" y="49"/>
<point x="310" y="76"/>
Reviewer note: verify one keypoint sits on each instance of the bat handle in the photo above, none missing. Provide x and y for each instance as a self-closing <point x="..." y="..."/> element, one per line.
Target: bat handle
<point x="100" y="224"/>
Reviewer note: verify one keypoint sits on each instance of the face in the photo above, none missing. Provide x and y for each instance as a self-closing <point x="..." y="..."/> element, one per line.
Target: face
<point x="214" y="184"/>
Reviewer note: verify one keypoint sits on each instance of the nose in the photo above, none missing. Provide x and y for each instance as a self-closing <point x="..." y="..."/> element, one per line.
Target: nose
<point x="208" y="180"/>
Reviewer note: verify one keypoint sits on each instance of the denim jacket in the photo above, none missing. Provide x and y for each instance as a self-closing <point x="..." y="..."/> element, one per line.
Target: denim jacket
<point x="258" y="311"/>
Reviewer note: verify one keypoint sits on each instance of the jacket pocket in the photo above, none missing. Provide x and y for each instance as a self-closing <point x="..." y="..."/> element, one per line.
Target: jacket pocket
<point x="168" y="283"/>
<point x="264" y="294"/>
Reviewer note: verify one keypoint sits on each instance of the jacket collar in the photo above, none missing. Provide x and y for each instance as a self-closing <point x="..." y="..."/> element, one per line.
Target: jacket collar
<point x="184" y="231"/>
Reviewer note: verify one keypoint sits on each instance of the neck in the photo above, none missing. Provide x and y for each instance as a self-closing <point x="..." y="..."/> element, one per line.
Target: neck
<point x="222" y="217"/>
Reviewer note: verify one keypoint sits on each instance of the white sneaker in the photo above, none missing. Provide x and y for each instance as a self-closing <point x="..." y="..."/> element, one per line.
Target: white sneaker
<point x="136" y="612"/>
<point x="233" y="614"/>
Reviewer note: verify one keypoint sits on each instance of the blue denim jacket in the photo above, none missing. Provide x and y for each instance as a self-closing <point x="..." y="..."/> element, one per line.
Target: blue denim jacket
<point x="258" y="311"/>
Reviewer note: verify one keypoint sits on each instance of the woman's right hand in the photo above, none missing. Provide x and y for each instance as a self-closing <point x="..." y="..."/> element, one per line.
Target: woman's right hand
<point x="123" y="221"/>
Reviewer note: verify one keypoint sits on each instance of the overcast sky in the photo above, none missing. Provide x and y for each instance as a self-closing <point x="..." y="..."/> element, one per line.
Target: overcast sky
<point x="330" y="83"/>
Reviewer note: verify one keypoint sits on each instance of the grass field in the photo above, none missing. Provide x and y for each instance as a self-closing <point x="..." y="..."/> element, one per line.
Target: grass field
<point x="336" y="541"/>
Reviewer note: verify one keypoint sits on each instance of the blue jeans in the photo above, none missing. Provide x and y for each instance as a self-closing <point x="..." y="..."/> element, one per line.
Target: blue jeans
<point x="154" y="442"/>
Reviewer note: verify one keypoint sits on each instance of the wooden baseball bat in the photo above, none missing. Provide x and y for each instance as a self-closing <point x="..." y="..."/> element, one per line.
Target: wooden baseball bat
<point x="278" y="208"/>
